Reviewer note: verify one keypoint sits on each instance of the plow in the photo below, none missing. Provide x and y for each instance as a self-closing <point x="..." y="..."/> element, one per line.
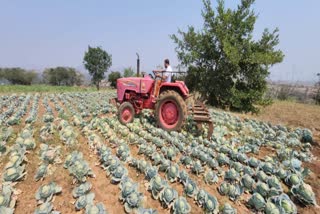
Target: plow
<point x="200" y="114"/>
<point x="170" y="106"/>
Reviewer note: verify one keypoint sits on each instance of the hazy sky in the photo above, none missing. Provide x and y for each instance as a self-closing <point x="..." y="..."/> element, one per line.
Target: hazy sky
<point x="39" y="34"/>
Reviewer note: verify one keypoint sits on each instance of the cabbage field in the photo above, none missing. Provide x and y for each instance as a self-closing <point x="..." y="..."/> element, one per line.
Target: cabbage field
<point x="68" y="153"/>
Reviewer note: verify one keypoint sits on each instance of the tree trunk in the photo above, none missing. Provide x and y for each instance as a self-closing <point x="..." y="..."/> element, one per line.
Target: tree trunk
<point x="98" y="86"/>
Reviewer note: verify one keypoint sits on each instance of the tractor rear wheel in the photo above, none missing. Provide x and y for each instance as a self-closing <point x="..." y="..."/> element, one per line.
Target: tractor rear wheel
<point x="126" y="113"/>
<point x="170" y="111"/>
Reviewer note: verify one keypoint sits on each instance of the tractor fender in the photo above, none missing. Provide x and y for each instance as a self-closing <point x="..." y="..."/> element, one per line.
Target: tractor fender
<point x="178" y="86"/>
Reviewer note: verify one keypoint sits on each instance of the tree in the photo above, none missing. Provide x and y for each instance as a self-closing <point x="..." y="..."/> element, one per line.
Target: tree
<point x="62" y="76"/>
<point x="128" y="72"/>
<point x="18" y="76"/>
<point x="224" y="63"/>
<point x="113" y="78"/>
<point x="97" y="61"/>
<point x="29" y="77"/>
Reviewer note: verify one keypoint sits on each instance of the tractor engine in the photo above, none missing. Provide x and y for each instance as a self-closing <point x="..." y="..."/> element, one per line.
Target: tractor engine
<point x="135" y="90"/>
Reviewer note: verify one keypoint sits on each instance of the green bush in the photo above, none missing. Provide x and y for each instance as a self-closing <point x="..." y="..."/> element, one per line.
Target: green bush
<point x="113" y="78"/>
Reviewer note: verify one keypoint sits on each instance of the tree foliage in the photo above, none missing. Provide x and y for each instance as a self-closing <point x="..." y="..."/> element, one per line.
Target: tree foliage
<point x="97" y="61"/>
<point x="225" y="64"/>
<point x="18" y="76"/>
<point x="128" y="72"/>
<point x="113" y="78"/>
<point x="62" y="76"/>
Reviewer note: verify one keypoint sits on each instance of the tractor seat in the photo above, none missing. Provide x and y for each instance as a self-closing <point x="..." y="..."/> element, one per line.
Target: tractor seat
<point x="173" y="78"/>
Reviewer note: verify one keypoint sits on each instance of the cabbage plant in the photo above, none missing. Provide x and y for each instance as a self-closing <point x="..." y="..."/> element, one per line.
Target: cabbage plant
<point x="127" y="187"/>
<point x="84" y="200"/>
<point x="168" y="196"/>
<point x="172" y="173"/>
<point x="181" y="206"/>
<point x="257" y="202"/>
<point x="95" y="209"/>
<point x="46" y="192"/>
<point x="82" y="189"/>
<point x="228" y="209"/>
<point x="156" y="185"/>
<point x="190" y="188"/>
<point x="210" y="177"/>
<point x="133" y="202"/>
<point x="304" y="193"/>
<point x="284" y="203"/>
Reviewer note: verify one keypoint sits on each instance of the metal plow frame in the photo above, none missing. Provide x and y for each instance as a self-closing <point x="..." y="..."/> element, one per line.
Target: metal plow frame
<point x="113" y="101"/>
<point x="201" y="115"/>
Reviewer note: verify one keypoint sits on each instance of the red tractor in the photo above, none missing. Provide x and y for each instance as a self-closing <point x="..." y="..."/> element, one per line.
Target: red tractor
<point x="135" y="94"/>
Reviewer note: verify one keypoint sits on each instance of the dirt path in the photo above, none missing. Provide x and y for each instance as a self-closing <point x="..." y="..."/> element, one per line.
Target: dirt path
<point x="104" y="191"/>
<point x="26" y="201"/>
<point x="63" y="202"/>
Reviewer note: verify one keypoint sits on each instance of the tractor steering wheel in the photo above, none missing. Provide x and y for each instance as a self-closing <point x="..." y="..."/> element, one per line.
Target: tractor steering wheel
<point x="155" y="75"/>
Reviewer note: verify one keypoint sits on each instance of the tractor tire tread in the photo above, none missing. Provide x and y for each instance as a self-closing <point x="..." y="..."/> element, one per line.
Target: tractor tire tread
<point x="121" y="107"/>
<point x="181" y="103"/>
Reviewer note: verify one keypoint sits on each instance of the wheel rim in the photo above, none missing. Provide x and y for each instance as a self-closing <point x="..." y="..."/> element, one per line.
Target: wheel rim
<point x="169" y="114"/>
<point x="126" y="115"/>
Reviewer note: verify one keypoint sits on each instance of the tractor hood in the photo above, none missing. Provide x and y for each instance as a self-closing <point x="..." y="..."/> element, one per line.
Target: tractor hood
<point x="136" y="84"/>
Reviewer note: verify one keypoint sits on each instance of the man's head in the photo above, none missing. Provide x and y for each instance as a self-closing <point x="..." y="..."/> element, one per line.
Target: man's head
<point x="166" y="63"/>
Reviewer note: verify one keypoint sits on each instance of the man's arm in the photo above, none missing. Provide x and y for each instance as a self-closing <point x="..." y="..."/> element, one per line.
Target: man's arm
<point x="164" y="77"/>
<point x="159" y="71"/>
<point x="160" y="74"/>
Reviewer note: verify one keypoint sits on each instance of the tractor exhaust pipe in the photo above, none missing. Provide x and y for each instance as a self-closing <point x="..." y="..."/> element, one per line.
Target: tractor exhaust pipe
<point x="138" y="65"/>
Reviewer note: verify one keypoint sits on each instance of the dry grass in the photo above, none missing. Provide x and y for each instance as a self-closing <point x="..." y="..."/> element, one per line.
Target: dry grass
<point x="291" y="114"/>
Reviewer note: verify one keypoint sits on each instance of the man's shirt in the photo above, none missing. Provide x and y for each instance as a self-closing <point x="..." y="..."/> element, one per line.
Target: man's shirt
<point x="168" y="73"/>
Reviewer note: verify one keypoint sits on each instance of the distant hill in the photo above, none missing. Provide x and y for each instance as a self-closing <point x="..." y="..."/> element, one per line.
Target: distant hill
<point x="301" y="83"/>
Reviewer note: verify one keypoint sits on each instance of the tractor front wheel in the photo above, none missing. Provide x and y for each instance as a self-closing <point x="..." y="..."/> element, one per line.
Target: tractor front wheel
<point x="126" y="113"/>
<point x="170" y="111"/>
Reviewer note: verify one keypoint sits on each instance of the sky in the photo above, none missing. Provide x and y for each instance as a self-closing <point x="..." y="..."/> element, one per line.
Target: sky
<point x="37" y="34"/>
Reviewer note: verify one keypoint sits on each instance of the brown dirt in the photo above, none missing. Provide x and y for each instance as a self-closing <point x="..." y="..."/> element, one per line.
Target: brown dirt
<point x="263" y="152"/>
<point x="105" y="192"/>
<point x="26" y="201"/>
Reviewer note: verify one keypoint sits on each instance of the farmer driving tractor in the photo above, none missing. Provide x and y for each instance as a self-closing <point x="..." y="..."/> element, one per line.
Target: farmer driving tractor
<point x="167" y="98"/>
<point x="162" y="76"/>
